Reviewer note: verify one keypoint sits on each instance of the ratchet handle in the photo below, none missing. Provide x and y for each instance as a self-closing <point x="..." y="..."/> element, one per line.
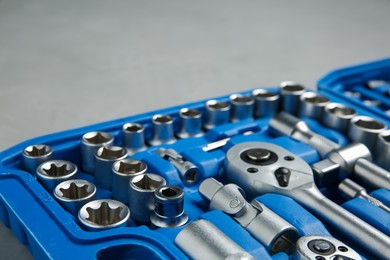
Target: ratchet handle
<point x="365" y="236"/>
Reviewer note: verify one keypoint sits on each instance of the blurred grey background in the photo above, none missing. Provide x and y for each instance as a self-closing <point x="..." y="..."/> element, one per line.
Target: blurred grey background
<point x="67" y="64"/>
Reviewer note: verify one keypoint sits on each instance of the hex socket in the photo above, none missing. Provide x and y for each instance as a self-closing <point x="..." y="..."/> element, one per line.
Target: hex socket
<point x="73" y="194"/>
<point x="312" y="105"/>
<point x="290" y="93"/>
<point x="105" y="158"/>
<point x="162" y="130"/>
<point x="383" y="150"/>
<point x="134" y="137"/>
<point x="51" y="173"/>
<point x="338" y="116"/>
<point x="241" y="107"/>
<point x="141" y="195"/>
<point x="104" y="214"/>
<point x="364" y="129"/>
<point x="266" y="102"/>
<point x="123" y="171"/>
<point x="90" y="143"/>
<point x="218" y="113"/>
<point x="34" y="155"/>
<point x="191" y="123"/>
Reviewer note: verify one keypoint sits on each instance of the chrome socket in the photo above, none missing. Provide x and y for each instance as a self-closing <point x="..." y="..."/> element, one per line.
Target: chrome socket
<point x="242" y="107"/>
<point x="123" y="170"/>
<point x="338" y="116"/>
<point x="383" y="150"/>
<point x="90" y="143"/>
<point x="134" y="137"/>
<point x="162" y="130"/>
<point x="51" y="173"/>
<point x="353" y="94"/>
<point x="105" y="158"/>
<point x="73" y="194"/>
<point x="290" y="93"/>
<point x="266" y="103"/>
<point x="191" y="123"/>
<point x="312" y="105"/>
<point x="372" y="103"/>
<point x="104" y="214"/>
<point x="365" y="130"/>
<point x="203" y="240"/>
<point x="34" y="155"/>
<point x="189" y="173"/>
<point x="141" y="195"/>
<point x="218" y="113"/>
<point x="169" y="207"/>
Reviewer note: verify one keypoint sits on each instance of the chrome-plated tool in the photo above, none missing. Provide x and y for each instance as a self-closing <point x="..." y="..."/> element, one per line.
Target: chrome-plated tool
<point x="372" y="103"/>
<point x="242" y="107"/>
<point x="373" y="84"/>
<point x="350" y="189"/>
<point x="218" y="113"/>
<point x="261" y="168"/>
<point x="73" y="194"/>
<point x="105" y="158"/>
<point x="312" y="105"/>
<point x="134" y="137"/>
<point x="338" y="116"/>
<point x="323" y="247"/>
<point x="272" y="231"/>
<point x="365" y="129"/>
<point x="162" y="130"/>
<point x="203" y="240"/>
<point x="124" y="170"/>
<point x="383" y="150"/>
<point x="191" y="123"/>
<point x="353" y="94"/>
<point x="290" y="93"/>
<point x="266" y="102"/>
<point x="168" y="207"/>
<point x="286" y="124"/>
<point x="220" y="143"/>
<point x="141" y="195"/>
<point x="104" y="214"/>
<point x="51" y="173"/>
<point x="34" y="155"/>
<point x="90" y="143"/>
<point x="189" y="172"/>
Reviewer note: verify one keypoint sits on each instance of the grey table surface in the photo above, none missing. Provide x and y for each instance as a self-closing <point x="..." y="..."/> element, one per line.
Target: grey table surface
<point x="67" y="64"/>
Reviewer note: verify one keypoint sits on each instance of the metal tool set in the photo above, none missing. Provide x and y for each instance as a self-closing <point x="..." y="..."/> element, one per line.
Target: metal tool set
<point x="272" y="173"/>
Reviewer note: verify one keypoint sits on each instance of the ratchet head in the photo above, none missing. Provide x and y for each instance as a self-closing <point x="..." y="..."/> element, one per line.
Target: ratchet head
<point x="260" y="168"/>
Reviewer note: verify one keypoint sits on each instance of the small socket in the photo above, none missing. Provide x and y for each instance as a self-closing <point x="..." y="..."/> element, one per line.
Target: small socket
<point x="290" y="93"/>
<point x="242" y="107"/>
<point x="338" y="116"/>
<point x="312" y="105"/>
<point x="104" y="214"/>
<point x="73" y="194"/>
<point x="134" y="137"/>
<point x="266" y="102"/>
<point x="90" y="143"/>
<point x="34" y="155"/>
<point x="123" y="171"/>
<point x="218" y="113"/>
<point x="105" y="158"/>
<point x="163" y="132"/>
<point x="191" y="123"/>
<point x="53" y="172"/>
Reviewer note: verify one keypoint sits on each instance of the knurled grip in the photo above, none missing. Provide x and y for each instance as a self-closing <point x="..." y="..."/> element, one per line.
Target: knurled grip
<point x="322" y="144"/>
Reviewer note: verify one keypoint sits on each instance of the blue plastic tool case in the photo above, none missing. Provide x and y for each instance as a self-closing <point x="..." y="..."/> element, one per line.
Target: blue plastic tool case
<point x="50" y="232"/>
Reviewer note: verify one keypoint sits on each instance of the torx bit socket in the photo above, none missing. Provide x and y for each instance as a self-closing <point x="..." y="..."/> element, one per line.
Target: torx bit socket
<point x="241" y="107"/>
<point x="290" y="93"/>
<point x="104" y="214"/>
<point x="123" y="171"/>
<point x="169" y="207"/>
<point x="51" y="173"/>
<point x="163" y="132"/>
<point x="34" y="155"/>
<point x="134" y="137"/>
<point x="105" y="158"/>
<point x="338" y="116"/>
<point x="191" y="123"/>
<point x="266" y="102"/>
<point x="218" y="113"/>
<point x="73" y="194"/>
<point x="312" y="105"/>
<point x="90" y="143"/>
<point x="141" y="195"/>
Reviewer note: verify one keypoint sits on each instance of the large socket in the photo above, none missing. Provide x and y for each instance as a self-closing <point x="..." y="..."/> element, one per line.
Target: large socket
<point x="90" y="143"/>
